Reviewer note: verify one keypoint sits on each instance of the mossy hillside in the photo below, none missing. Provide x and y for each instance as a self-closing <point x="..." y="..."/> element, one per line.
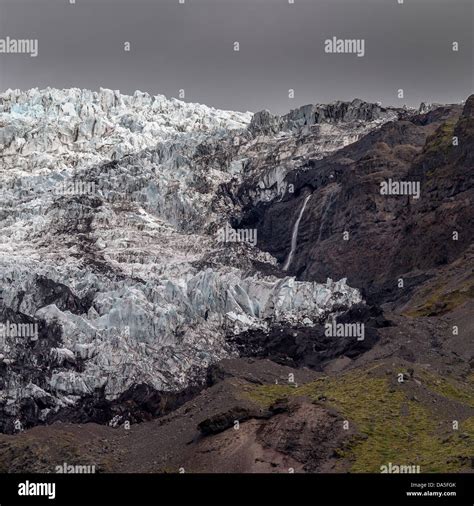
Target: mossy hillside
<point x="266" y="395"/>
<point x="25" y="451"/>
<point x="449" y="388"/>
<point x="437" y="150"/>
<point x="442" y="139"/>
<point x="391" y="427"/>
<point x="440" y="301"/>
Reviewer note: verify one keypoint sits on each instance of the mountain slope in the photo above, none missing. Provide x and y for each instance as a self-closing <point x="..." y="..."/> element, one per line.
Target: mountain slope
<point x="151" y="309"/>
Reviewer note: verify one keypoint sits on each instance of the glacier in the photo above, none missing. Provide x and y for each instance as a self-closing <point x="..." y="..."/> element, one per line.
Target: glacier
<point x="110" y="212"/>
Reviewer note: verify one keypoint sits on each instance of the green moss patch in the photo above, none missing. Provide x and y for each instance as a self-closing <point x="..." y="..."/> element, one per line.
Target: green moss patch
<point x="391" y="426"/>
<point x="441" y="302"/>
<point x="442" y="139"/>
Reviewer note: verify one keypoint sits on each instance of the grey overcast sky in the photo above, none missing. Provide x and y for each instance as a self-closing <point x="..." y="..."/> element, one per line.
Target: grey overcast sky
<point x="190" y="46"/>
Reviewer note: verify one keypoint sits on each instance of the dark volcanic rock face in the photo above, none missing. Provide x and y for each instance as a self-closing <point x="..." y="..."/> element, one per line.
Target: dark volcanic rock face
<point x="446" y="178"/>
<point x="139" y="403"/>
<point x="314" y="346"/>
<point x="28" y="369"/>
<point x="349" y="229"/>
<point x="51" y="292"/>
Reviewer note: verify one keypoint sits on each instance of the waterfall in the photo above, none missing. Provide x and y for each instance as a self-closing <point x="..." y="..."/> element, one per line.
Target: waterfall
<point x="294" y="237"/>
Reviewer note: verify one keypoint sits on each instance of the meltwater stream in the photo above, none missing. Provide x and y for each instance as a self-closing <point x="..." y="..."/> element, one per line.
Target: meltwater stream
<point x="294" y="237"/>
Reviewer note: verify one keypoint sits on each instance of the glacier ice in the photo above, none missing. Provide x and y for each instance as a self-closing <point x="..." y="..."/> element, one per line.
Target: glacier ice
<point x="130" y="267"/>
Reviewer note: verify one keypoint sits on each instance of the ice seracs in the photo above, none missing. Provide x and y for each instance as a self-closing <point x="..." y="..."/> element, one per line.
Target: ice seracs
<point x="110" y="212"/>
